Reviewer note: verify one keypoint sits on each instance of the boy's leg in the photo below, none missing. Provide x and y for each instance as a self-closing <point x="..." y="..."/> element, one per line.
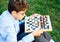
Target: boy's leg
<point x="40" y="39"/>
<point x="19" y="37"/>
<point x="45" y="37"/>
<point x="48" y="37"/>
<point x="21" y="33"/>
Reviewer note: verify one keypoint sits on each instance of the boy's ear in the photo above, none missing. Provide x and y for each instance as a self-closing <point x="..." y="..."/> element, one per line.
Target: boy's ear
<point x="14" y="12"/>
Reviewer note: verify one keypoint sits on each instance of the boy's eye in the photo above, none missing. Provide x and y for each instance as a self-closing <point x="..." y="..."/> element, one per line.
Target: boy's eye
<point x="22" y="13"/>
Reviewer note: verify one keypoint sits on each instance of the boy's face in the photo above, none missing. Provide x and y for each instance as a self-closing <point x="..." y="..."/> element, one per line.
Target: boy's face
<point x="18" y="15"/>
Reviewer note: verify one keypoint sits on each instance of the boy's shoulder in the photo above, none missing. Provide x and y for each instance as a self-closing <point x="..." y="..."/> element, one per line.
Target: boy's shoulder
<point x="4" y="18"/>
<point x="4" y="12"/>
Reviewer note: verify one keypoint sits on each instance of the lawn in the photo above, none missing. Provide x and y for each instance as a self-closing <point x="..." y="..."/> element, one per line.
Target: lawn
<point x="43" y="7"/>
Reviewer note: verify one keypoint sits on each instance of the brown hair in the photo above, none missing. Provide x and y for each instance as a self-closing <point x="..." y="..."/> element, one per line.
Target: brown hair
<point x="17" y="5"/>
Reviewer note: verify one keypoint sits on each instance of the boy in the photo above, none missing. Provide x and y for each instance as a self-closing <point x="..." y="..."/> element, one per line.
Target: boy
<point x="9" y="23"/>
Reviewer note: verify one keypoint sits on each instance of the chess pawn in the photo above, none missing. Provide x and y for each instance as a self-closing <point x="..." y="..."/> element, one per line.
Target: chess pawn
<point x="41" y="18"/>
<point x="33" y="21"/>
<point x="46" y="18"/>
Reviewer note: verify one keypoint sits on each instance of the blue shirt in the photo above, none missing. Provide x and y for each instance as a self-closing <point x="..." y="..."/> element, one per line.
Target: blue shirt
<point x="9" y="27"/>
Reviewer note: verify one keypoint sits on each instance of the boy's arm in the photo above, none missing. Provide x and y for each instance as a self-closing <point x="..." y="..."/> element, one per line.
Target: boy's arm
<point x="11" y="37"/>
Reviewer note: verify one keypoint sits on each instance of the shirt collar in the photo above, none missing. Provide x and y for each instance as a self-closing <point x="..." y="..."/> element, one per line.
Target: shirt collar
<point x="12" y="18"/>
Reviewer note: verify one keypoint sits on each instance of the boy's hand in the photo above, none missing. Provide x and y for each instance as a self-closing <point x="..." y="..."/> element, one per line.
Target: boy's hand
<point x="37" y="32"/>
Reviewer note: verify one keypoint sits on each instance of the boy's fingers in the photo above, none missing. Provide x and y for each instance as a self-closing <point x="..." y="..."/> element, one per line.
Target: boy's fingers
<point x="41" y="31"/>
<point x="38" y="29"/>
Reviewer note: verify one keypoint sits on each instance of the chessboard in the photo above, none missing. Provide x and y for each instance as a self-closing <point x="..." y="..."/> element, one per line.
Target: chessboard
<point x="32" y="23"/>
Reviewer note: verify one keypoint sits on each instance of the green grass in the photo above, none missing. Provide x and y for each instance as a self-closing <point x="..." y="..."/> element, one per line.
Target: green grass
<point x="43" y="7"/>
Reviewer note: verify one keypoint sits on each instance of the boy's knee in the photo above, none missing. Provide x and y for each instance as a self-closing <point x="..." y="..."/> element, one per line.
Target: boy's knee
<point x="40" y="39"/>
<point x="47" y="36"/>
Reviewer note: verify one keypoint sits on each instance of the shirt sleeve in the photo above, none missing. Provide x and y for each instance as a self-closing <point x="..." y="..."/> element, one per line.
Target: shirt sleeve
<point x="11" y="37"/>
<point x="28" y="38"/>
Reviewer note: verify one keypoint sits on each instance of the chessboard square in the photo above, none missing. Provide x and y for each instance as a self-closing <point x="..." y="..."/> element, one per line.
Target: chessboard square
<point x="36" y="26"/>
<point x="47" y="22"/>
<point x="33" y="28"/>
<point x="36" y="22"/>
<point x="35" y="19"/>
<point x="44" y="19"/>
